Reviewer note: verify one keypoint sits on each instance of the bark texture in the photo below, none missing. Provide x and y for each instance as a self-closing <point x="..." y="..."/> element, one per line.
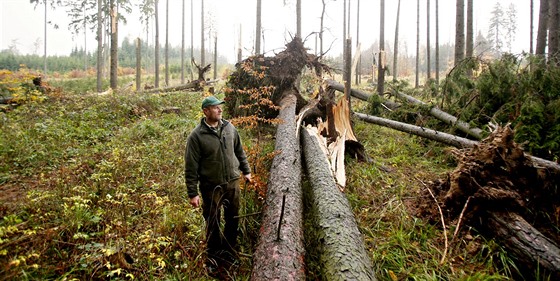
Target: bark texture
<point x="283" y="258"/>
<point x="341" y="246"/>
<point x="525" y="242"/>
<point x="359" y="94"/>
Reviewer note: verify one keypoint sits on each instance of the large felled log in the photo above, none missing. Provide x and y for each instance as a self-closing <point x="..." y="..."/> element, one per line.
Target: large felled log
<point x="525" y="242"/>
<point x="280" y="251"/>
<point x="441" y="137"/>
<point x="444" y="116"/>
<point x="194" y="85"/>
<point x="341" y="246"/>
<point x="359" y="94"/>
<point x="417" y="130"/>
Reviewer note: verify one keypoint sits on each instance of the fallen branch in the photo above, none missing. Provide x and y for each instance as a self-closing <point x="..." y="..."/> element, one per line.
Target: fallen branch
<point x="194" y="85"/>
<point x="360" y="94"/>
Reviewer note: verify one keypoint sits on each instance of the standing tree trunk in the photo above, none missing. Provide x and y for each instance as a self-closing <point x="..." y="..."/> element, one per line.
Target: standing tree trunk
<point x="192" y="41"/>
<point x="531" y="26"/>
<point x="396" y="46"/>
<point x="258" y="29"/>
<point x="99" y="47"/>
<point x="183" y="44"/>
<point x="542" y="29"/>
<point x="381" y="62"/>
<point x="470" y="33"/>
<point x="166" y="43"/>
<point x="359" y="68"/>
<point x="280" y="250"/>
<point x="460" y="32"/>
<point x="553" y="31"/>
<point x="156" y="64"/>
<point x="428" y="58"/>
<point x="322" y="28"/>
<point x="45" y="45"/>
<point x="437" y="46"/>
<point x="298" y="18"/>
<point x="417" y="79"/>
<point x="202" y="48"/>
<point x="344" y="29"/>
<point x="114" y="44"/>
<point x="215" y="57"/>
<point x="138" y="65"/>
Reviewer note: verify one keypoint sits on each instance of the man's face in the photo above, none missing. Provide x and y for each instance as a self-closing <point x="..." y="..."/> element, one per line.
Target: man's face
<point x="213" y="113"/>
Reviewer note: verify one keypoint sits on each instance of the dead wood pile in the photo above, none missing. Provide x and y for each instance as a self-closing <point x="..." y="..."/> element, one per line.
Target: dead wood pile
<point x="498" y="190"/>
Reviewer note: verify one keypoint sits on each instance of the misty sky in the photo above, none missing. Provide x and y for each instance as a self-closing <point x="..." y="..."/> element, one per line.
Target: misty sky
<point x="22" y="25"/>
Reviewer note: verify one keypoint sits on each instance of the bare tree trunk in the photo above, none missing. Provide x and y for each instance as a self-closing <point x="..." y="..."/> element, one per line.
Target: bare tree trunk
<point x="396" y="45"/>
<point x="202" y="48"/>
<point x="542" y="29"/>
<point x="138" y="65"/>
<point x="531" y="26"/>
<point x="298" y="18"/>
<point x="45" y="43"/>
<point x="156" y="64"/>
<point x="554" y="32"/>
<point x="359" y="68"/>
<point x="381" y="62"/>
<point x="183" y="44"/>
<point x="258" y="29"/>
<point x="437" y="46"/>
<point x="334" y="221"/>
<point x="99" y="47"/>
<point x="417" y="80"/>
<point x="470" y="34"/>
<point x="460" y="32"/>
<point x="166" y="43"/>
<point x="280" y="250"/>
<point x="192" y="41"/>
<point x="114" y="44"/>
<point x="215" y="57"/>
<point x="428" y="57"/>
<point x="359" y="94"/>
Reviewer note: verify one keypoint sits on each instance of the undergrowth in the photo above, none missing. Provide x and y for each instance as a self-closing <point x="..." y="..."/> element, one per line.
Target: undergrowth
<point x="93" y="188"/>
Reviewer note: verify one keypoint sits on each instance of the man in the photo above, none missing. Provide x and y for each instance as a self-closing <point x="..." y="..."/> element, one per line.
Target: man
<point x="214" y="160"/>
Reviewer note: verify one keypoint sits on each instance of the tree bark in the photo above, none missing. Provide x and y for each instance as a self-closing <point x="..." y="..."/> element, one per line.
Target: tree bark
<point x="417" y="72"/>
<point x="381" y="61"/>
<point x="419" y="131"/>
<point x="336" y="228"/>
<point x="156" y="66"/>
<point x="114" y="44"/>
<point x="460" y="32"/>
<point x="280" y="251"/>
<point x="442" y="137"/>
<point x="258" y="28"/>
<point x="444" y="116"/>
<point x="194" y="85"/>
<point x="359" y="94"/>
<point x="166" y="43"/>
<point x="526" y="243"/>
<point x="470" y="30"/>
<point x="542" y="28"/>
<point x="396" y="45"/>
<point x="554" y="31"/>
<point x="428" y="58"/>
<point x="99" y="47"/>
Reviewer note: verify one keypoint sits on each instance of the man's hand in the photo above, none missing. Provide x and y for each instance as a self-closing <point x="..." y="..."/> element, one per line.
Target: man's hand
<point x="247" y="177"/>
<point x="195" y="201"/>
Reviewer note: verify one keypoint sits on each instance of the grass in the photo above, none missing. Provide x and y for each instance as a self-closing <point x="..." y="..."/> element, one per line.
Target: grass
<point x="99" y="193"/>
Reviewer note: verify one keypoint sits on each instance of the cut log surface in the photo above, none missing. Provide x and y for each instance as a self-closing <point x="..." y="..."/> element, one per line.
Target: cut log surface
<point x="343" y="253"/>
<point x="525" y="242"/>
<point x="444" y="116"/>
<point x="283" y="258"/>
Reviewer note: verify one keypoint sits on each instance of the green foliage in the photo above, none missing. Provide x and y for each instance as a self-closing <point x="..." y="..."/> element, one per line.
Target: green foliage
<point x="524" y="93"/>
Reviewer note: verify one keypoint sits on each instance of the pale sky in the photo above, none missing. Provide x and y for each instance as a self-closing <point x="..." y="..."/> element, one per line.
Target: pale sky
<point x="23" y="25"/>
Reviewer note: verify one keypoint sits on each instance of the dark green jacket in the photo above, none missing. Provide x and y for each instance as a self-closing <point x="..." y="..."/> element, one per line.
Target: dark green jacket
<point x="213" y="159"/>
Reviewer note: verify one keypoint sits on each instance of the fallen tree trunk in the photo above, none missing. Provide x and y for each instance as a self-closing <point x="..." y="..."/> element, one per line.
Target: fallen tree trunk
<point x="194" y="85"/>
<point x="444" y="116"/>
<point x="417" y="130"/>
<point x="359" y="94"/>
<point x="526" y="243"/>
<point x="280" y="251"/>
<point x="341" y="246"/>
<point x="442" y="137"/>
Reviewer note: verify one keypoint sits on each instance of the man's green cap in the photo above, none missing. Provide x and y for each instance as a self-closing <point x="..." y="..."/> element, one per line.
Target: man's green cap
<point x="211" y="100"/>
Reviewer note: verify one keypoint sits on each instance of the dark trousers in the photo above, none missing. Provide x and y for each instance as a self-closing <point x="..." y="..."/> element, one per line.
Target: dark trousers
<point x="221" y="245"/>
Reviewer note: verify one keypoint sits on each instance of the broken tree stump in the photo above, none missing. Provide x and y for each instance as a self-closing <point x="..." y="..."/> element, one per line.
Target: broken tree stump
<point x="280" y="251"/>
